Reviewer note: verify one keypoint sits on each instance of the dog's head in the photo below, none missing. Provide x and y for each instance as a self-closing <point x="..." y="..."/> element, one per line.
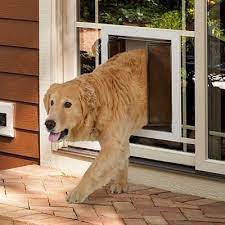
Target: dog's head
<point x="66" y="106"/>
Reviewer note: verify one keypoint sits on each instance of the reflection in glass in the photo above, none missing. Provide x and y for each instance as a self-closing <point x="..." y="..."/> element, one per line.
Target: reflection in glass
<point x="89" y="49"/>
<point x="168" y="14"/>
<point x="216" y="79"/>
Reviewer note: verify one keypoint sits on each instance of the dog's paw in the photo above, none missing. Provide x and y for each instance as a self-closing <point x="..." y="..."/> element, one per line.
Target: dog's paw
<point x="117" y="188"/>
<point x="76" y="196"/>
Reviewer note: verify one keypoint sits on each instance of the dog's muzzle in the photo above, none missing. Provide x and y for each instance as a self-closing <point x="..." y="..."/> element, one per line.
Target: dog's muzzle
<point x="54" y="137"/>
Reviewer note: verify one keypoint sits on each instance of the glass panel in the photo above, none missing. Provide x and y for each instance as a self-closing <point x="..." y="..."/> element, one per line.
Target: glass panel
<point x="87" y="11"/>
<point x="188" y="87"/>
<point x="89" y="49"/>
<point x="216" y="79"/>
<point x="168" y="14"/>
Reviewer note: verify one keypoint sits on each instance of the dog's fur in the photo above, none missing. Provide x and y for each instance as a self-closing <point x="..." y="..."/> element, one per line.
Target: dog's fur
<point x="108" y="105"/>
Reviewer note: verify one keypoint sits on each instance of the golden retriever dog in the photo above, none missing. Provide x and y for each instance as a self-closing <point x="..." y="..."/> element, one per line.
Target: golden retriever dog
<point x="107" y="105"/>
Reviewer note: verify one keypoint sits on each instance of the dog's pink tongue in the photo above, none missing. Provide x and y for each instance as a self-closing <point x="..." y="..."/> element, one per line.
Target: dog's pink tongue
<point x="53" y="137"/>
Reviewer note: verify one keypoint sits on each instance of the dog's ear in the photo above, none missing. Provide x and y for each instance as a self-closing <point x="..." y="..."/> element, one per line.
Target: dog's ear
<point x="87" y="97"/>
<point x="47" y="96"/>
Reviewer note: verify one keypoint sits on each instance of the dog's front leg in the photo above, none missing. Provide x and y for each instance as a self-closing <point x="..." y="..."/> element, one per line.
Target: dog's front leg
<point x="120" y="184"/>
<point x="100" y="172"/>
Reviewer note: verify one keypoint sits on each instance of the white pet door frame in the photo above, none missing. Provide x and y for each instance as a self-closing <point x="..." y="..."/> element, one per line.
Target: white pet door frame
<point x="175" y="134"/>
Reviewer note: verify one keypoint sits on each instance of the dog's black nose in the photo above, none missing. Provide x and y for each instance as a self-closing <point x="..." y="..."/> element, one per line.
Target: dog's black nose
<point x="50" y="124"/>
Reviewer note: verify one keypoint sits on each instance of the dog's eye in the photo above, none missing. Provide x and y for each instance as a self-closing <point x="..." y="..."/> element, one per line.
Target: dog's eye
<point x="67" y="104"/>
<point x="52" y="102"/>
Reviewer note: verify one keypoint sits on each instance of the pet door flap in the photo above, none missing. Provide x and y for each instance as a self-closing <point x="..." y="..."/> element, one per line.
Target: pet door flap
<point x="159" y="86"/>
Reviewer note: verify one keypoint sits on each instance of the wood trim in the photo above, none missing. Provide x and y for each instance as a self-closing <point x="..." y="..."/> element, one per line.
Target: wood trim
<point x="19" y="60"/>
<point x="25" y="143"/>
<point x="19" y="57"/>
<point x="19" y="33"/>
<point x="26" y="116"/>
<point x="22" y="9"/>
<point x="15" y="87"/>
<point x="11" y="161"/>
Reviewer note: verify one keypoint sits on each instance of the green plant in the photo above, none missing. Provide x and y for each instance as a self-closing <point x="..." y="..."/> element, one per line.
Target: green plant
<point x="149" y="13"/>
<point x="214" y="28"/>
<point x="168" y="20"/>
<point x="137" y="14"/>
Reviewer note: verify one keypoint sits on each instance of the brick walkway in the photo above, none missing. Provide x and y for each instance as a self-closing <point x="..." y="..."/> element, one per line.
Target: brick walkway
<point x="36" y="195"/>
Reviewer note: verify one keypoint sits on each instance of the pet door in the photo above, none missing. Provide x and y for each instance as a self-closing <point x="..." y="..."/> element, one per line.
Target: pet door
<point x="163" y="66"/>
<point x="159" y="86"/>
<point x="159" y="77"/>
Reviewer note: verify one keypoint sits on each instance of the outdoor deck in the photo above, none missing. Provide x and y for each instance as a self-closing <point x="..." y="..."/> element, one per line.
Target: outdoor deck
<point x="36" y="195"/>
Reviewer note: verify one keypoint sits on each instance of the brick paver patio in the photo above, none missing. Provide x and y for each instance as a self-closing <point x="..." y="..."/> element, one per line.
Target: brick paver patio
<point x="36" y="195"/>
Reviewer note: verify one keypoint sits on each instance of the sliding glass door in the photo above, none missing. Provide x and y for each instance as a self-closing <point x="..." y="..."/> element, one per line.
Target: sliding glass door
<point x="210" y="83"/>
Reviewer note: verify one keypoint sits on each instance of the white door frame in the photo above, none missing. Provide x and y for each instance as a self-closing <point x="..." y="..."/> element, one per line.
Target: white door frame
<point x="56" y="52"/>
<point x="175" y="134"/>
<point x="202" y="162"/>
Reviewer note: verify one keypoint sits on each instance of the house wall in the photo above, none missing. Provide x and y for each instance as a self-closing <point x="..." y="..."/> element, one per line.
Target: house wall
<point x="19" y="77"/>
